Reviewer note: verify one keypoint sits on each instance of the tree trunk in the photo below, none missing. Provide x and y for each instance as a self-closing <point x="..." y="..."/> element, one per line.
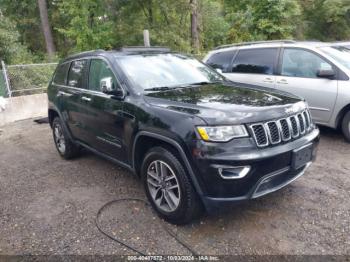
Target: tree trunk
<point x="50" y="47"/>
<point x="194" y="26"/>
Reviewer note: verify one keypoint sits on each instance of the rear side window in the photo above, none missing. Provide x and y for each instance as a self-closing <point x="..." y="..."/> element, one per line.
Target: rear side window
<point x="76" y="73"/>
<point x="61" y="74"/>
<point x="221" y="60"/>
<point x="255" y="61"/>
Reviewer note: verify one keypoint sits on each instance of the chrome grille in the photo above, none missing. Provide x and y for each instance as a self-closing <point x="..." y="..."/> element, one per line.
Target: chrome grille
<point x="307" y="119"/>
<point x="295" y="126"/>
<point x="301" y="124"/>
<point x="273" y="132"/>
<point x="286" y="131"/>
<point x="281" y="130"/>
<point x="260" y="135"/>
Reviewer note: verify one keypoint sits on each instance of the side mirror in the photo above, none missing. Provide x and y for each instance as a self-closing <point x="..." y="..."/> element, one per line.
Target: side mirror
<point x="107" y="86"/>
<point x="326" y="73"/>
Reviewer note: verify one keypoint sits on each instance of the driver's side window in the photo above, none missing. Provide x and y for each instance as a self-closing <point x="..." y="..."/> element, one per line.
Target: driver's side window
<point x="100" y="74"/>
<point x="302" y="63"/>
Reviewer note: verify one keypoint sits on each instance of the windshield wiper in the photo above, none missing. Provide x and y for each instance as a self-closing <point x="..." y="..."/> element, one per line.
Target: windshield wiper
<point x="165" y="88"/>
<point x="204" y="83"/>
<point x="160" y="88"/>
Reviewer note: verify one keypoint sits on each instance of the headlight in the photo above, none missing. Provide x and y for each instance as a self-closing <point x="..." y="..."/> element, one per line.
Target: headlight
<point x="221" y="133"/>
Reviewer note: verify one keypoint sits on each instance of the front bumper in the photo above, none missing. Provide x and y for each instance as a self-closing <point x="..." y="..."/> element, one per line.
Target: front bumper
<point x="267" y="184"/>
<point x="271" y="169"/>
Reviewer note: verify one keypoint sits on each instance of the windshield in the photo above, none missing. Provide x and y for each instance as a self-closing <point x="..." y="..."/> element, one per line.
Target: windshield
<point x="339" y="53"/>
<point x="163" y="71"/>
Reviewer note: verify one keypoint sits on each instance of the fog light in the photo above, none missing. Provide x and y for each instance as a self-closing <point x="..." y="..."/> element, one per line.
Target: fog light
<point x="233" y="172"/>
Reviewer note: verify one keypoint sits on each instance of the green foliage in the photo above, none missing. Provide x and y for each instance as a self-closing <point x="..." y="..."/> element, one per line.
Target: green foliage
<point x="24" y="15"/>
<point x="11" y="50"/>
<point x="262" y="20"/>
<point x="214" y="26"/>
<point x="82" y="25"/>
<point x="168" y="22"/>
<point x="88" y="26"/>
<point x="327" y="20"/>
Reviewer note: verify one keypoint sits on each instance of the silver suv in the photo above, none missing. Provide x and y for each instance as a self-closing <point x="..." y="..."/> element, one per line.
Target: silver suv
<point x="316" y="71"/>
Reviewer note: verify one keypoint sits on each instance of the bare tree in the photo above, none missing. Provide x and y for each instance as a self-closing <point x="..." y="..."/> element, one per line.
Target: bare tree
<point x="194" y="26"/>
<point x="50" y="47"/>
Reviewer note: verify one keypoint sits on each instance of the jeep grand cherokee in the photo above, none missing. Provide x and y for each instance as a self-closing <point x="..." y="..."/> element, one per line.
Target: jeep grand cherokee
<point x="195" y="139"/>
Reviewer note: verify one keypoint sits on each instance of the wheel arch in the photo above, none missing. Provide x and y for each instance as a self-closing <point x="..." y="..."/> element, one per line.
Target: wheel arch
<point x="341" y="115"/>
<point x="52" y="113"/>
<point x="145" y="140"/>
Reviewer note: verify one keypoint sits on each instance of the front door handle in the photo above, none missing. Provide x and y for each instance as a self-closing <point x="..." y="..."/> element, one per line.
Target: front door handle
<point x="61" y="93"/>
<point x="268" y="80"/>
<point x="88" y="99"/>
<point x="282" y="81"/>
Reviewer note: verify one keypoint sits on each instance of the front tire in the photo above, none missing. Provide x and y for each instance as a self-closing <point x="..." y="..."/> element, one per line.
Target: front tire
<point x="346" y="126"/>
<point x="168" y="187"/>
<point x="64" y="145"/>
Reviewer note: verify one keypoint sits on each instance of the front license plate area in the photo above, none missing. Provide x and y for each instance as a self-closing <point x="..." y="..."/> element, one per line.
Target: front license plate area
<point x="302" y="156"/>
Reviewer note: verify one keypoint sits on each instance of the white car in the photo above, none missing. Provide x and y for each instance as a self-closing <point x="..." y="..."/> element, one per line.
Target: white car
<point x="316" y="71"/>
<point x="343" y="44"/>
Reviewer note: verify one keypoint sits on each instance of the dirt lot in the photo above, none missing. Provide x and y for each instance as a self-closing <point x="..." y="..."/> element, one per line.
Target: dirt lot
<point x="48" y="206"/>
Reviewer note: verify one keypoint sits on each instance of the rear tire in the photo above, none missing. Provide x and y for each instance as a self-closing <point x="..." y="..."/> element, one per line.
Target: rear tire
<point x="64" y="145"/>
<point x="346" y="126"/>
<point x="168" y="187"/>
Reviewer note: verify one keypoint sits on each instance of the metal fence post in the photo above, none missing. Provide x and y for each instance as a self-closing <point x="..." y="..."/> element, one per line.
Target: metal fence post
<point x="146" y="38"/>
<point x="6" y="78"/>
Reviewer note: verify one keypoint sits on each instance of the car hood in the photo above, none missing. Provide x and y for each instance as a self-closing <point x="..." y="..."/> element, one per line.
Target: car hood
<point x="227" y="103"/>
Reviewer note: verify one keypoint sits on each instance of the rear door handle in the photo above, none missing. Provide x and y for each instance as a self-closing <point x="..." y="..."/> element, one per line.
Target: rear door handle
<point x="88" y="99"/>
<point x="282" y="81"/>
<point x="268" y="80"/>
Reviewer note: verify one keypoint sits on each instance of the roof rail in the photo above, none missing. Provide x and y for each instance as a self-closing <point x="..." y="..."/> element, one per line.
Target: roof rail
<point x="144" y="48"/>
<point x="256" y="42"/>
<point x="83" y="53"/>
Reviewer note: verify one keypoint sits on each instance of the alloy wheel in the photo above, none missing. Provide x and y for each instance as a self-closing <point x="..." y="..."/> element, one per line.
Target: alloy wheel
<point x="59" y="138"/>
<point x="163" y="186"/>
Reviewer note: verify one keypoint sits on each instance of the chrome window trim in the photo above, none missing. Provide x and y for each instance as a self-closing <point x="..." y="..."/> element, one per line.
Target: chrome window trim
<point x="91" y="92"/>
<point x="88" y="58"/>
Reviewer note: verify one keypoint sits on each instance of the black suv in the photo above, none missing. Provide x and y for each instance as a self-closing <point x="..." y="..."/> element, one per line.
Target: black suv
<point x="194" y="138"/>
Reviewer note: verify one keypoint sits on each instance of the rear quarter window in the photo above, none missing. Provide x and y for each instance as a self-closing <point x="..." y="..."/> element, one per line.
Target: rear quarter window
<point x="255" y="61"/>
<point x="221" y="60"/>
<point x="61" y="74"/>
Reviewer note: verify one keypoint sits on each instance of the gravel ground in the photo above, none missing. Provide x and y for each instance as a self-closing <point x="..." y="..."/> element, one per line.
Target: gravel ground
<point x="48" y="206"/>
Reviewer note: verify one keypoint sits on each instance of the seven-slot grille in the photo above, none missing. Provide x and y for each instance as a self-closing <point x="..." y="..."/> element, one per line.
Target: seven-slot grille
<point x="281" y="130"/>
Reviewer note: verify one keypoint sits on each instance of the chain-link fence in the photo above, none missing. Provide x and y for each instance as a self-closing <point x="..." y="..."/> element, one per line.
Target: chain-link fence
<point x="26" y="79"/>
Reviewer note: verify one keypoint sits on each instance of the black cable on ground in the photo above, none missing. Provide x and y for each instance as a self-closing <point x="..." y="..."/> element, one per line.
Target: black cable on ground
<point x="44" y="120"/>
<point x="170" y="232"/>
